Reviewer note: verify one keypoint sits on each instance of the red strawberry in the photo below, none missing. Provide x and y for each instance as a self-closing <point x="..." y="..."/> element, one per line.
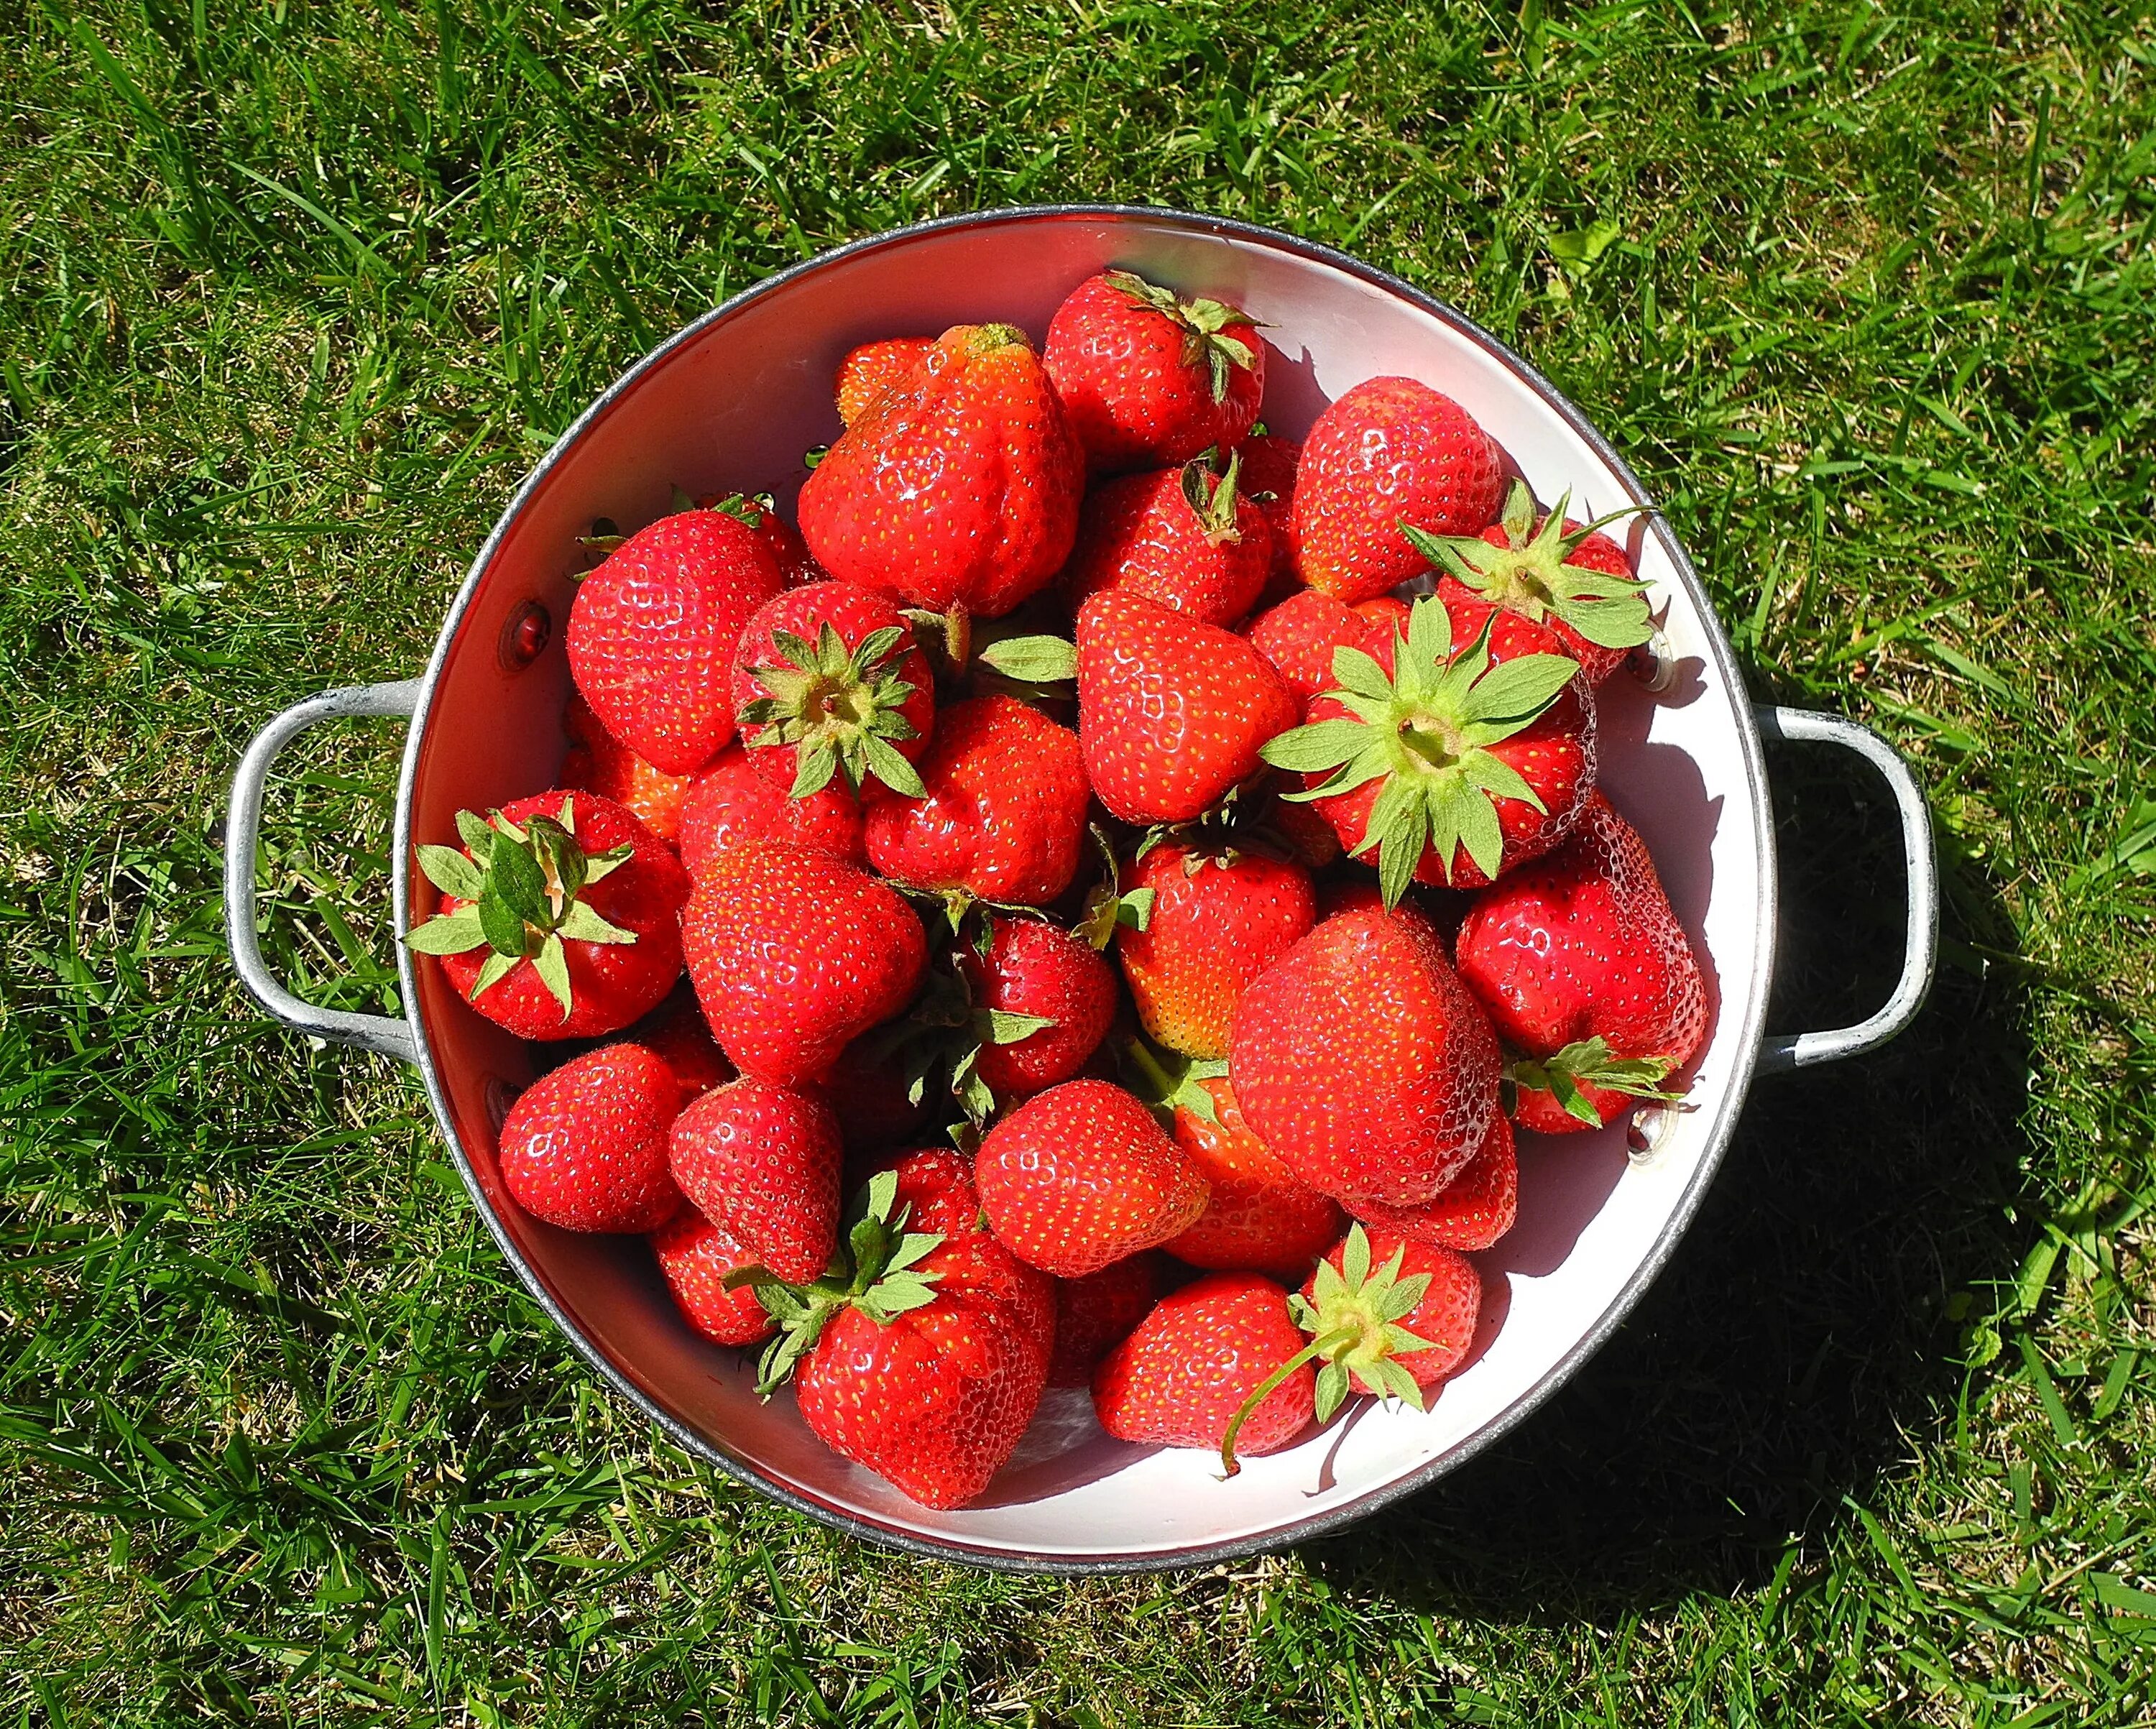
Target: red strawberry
<point x="1558" y="572"/>
<point x="1452" y="752"/>
<point x="1269" y="468"/>
<point x="599" y="762"/>
<point x="1385" y="615"/>
<point x="868" y="1090"/>
<point x="1094" y="1314"/>
<point x="1181" y="1379"/>
<point x="1349" y="1290"/>
<point x="763" y="1162"/>
<point x="695" y="1255"/>
<point x="794" y="954"/>
<point x="958" y="486"/>
<point x="676" y="1032"/>
<point x="733" y="801"/>
<point x="1171" y="713"/>
<point x="789" y="551"/>
<point x="558" y="916"/>
<point x="1473" y="1210"/>
<point x="1037" y="971"/>
<point x="1301" y="635"/>
<point x="868" y="371"/>
<point x="1259" y="1219"/>
<point x="1003" y="814"/>
<point x="1081" y="1175"/>
<point x="1219" y="917"/>
<point x="1361" y="1060"/>
<point x="652" y="632"/>
<point x="1182" y="536"/>
<point x="1149" y="380"/>
<point x="828" y="681"/>
<point x="585" y="1147"/>
<point x="1585" y="970"/>
<point x="936" y="1189"/>
<point x="1389" y="452"/>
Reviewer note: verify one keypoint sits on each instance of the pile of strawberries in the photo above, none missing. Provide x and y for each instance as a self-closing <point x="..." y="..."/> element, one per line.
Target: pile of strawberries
<point x="1084" y="858"/>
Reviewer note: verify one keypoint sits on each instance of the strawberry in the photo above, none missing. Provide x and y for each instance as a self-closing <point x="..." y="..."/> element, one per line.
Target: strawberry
<point x="1002" y="814"/>
<point x="794" y="954"/>
<point x="1054" y="992"/>
<point x="1473" y="1210"/>
<point x="1384" y="615"/>
<point x="763" y="1162"/>
<point x="652" y="631"/>
<point x="585" y="1147"/>
<point x="1453" y="751"/>
<point x="1259" y="1217"/>
<point x="1182" y="536"/>
<point x="695" y="1255"/>
<point x="1150" y="380"/>
<point x="829" y="682"/>
<point x="1361" y="1060"/>
<point x="1388" y="453"/>
<point x="1094" y="1314"/>
<point x="921" y="1355"/>
<point x="1219" y="917"/>
<point x="958" y="486"/>
<point x="868" y="371"/>
<point x="1269" y="469"/>
<point x="1182" y="1378"/>
<point x="676" y="1032"/>
<point x="733" y="801"/>
<point x="1171" y="712"/>
<point x="1582" y="964"/>
<point x="935" y="1188"/>
<point x="1301" y="635"/>
<point x="1558" y="572"/>
<point x="558" y="915"/>
<point x="1081" y="1175"/>
<point x="599" y="762"/>
<point x="760" y="514"/>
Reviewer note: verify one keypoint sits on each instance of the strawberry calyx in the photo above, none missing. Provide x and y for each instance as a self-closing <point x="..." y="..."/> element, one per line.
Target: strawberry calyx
<point x="1212" y="498"/>
<point x="1590" y="1063"/>
<point x="748" y="509"/>
<point x="521" y="886"/>
<point x="1108" y="906"/>
<point x="1165" y="1082"/>
<point x="1529" y="574"/>
<point x="877" y="1270"/>
<point x="1201" y="322"/>
<point x="1425" y="730"/>
<point x="839" y="709"/>
<point x="1353" y="1314"/>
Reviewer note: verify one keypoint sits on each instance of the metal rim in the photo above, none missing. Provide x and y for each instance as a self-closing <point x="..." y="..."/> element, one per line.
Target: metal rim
<point x="1751" y="1027"/>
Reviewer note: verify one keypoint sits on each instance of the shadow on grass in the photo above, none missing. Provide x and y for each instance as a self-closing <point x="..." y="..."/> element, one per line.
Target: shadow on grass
<point x="1800" y="1331"/>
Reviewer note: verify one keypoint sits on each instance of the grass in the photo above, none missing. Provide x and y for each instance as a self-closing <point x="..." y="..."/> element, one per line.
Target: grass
<point x="293" y="294"/>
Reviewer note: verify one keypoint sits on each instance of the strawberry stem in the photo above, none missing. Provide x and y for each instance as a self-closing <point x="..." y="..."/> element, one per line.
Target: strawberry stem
<point x="1317" y="1347"/>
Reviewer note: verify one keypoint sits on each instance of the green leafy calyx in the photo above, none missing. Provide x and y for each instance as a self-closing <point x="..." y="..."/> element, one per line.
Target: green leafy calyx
<point x="840" y="710"/>
<point x="1425" y="730"/>
<point x="1203" y="323"/>
<point x="1590" y="1062"/>
<point x="1108" y="907"/>
<point x="1212" y="499"/>
<point x="1528" y="574"/>
<point x="522" y="888"/>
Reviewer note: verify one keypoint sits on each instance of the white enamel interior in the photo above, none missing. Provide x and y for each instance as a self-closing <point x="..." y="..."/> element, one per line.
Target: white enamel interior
<point x="734" y="406"/>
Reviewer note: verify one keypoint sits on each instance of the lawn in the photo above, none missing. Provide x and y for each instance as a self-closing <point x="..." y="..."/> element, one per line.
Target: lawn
<point x="295" y="294"/>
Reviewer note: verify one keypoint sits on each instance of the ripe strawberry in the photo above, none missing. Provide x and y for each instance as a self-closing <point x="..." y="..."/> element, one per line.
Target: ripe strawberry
<point x="958" y="486"/>
<point x="1434" y="1295"/>
<point x="585" y="1147"/>
<point x="1219" y="918"/>
<point x="1558" y="572"/>
<point x="1384" y="615"/>
<point x="1259" y="1219"/>
<point x="1454" y="752"/>
<point x="675" y="1032"/>
<point x="695" y="1255"/>
<point x="1584" y="969"/>
<point x="558" y="916"/>
<point x="868" y="371"/>
<point x="1301" y="635"/>
<point x="1388" y="452"/>
<point x="1183" y="1377"/>
<point x="733" y="801"/>
<point x="789" y="551"/>
<point x="1269" y="470"/>
<point x="1361" y="1060"/>
<point x="1184" y="538"/>
<point x="828" y="681"/>
<point x="763" y="1162"/>
<point x="652" y="632"/>
<point x="1036" y="971"/>
<point x="1097" y="1313"/>
<point x="795" y="953"/>
<point x="599" y="762"/>
<point x="1171" y="713"/>
<point x="936" y="1189"/>
<point x="1081" y="1175"/>
<point x="1473" y="1210"/>
<point x="1149" y="380"/>
<point x="1003" y="811"/>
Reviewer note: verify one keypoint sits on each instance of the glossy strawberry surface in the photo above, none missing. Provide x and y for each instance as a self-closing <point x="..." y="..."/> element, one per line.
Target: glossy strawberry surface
<point x="599" y="762"/>
<point x="1301" y="635"/>
<point x="733" y="801"/>
<point x="1269" y="463"/>
<point x="695" y="1255"/>
<point x="1182" y="1375"/>
<point x="1473" y="1210"/>
<point x="1260" y="1216"/>
<point x="584" y="1146"/>
<point x="763" y="1162"/>
<point x="868" y="371"/>
<point x="1038" y="969"/>
<point x="1097" y="1313"/>
<point x="1143" y="533"/>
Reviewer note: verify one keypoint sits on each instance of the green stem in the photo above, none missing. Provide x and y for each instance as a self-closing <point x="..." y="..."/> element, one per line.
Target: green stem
<point x="1321" y="1345"/>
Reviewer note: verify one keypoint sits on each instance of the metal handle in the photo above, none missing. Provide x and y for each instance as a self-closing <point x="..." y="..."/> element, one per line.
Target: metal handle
<point x="389" y="1035"/>
<point x="1781" y="1051"/>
